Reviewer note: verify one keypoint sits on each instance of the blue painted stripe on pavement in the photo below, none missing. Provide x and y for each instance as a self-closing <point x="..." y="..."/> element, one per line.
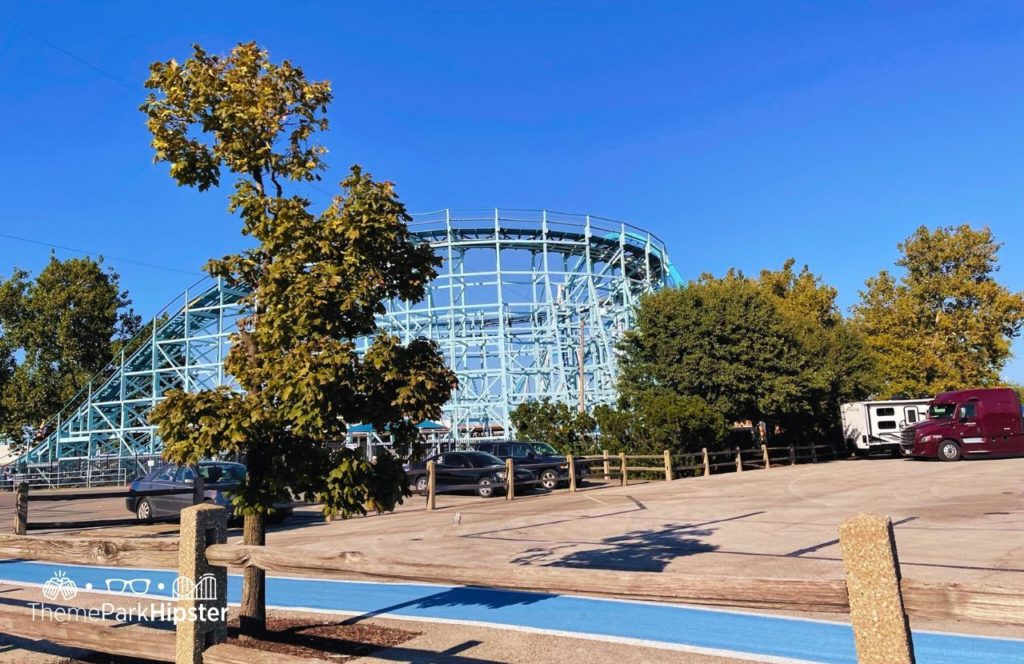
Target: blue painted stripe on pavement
<point x="740" y="632"/>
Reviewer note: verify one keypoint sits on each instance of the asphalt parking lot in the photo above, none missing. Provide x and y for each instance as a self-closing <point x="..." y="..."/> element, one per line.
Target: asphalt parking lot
<point x="954" y="522"/>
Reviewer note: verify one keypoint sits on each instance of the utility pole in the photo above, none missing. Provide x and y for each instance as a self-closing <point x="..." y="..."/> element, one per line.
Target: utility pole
<point x="582" y="380"/>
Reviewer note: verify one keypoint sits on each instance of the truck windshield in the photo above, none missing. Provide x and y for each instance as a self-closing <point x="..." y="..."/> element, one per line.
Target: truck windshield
<point x="941" y="411"/>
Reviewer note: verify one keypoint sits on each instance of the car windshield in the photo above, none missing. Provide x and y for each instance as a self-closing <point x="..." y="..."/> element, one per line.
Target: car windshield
<point x="941" y="411"/>
<point x="544" y="448"/>
<point x="220" y="473"/>
<point x="483" y="459"/>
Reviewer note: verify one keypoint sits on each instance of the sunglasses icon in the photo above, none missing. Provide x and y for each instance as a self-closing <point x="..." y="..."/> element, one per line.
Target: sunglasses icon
<point x="126" y="586"/>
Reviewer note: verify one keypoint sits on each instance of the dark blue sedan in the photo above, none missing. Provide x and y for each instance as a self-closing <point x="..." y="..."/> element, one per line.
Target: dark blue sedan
<point x="219" y="478"/>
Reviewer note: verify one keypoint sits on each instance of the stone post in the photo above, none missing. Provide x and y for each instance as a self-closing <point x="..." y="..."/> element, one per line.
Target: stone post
<point x="201" y="589"/>
<point x="881" y="630"/>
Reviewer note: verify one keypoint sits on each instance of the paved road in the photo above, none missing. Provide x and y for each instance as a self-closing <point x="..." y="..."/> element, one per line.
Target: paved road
<point x="714" y="632"/>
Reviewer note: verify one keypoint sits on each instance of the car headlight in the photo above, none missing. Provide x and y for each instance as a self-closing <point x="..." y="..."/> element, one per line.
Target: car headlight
<point x="501" y="474"/>
<point x="563" y="466"/>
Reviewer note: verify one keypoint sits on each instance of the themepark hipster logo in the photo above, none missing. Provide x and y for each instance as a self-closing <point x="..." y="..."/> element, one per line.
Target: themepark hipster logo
<point x="62" y="588"/>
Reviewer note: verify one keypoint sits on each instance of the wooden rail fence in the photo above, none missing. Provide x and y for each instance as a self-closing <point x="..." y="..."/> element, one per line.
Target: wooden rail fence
<point x="642" y="466"/>
<point x="878" y="599"/>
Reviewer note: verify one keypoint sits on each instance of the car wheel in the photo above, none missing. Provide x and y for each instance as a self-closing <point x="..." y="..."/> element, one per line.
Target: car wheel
<point x="549" y="479"/>
<point x="485" y="488"/>
<point x="421" y="483"/>
<point x="144" y="510"/>
<point x="949" y="451"/>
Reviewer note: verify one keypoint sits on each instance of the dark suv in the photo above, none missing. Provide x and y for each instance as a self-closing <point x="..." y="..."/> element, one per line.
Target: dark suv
<point x="551" y="467"/>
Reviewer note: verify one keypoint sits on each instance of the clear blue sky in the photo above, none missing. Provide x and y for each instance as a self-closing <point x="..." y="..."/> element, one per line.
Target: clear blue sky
<point x="741" y="133"/>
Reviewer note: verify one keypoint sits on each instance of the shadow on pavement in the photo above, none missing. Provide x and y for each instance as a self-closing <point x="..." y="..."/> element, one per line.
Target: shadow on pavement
<point x="465" y="596"/>
<point x="649" y="550"/>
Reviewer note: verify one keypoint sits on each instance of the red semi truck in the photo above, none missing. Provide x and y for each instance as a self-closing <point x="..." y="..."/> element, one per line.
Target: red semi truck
<point x="967" y="423"/>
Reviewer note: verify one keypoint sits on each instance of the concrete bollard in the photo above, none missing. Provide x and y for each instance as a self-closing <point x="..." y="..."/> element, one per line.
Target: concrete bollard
<point x="881" y="629"/>
<point x="21" y="508"/>
<point x="707" y="462"/>
<point x="510" y="480"/>
<point x="201" y="589"/>
<point x="431" y="485"/>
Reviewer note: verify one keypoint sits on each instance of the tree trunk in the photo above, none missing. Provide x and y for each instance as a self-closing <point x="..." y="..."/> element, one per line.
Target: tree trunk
<point x="253" y="612"/>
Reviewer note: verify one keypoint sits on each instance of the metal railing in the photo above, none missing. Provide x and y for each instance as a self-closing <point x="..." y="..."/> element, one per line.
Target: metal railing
<point x="39" y="478"/>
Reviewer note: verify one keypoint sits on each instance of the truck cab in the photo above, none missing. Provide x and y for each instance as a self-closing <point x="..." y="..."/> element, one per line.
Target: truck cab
<point x="967" y="423"/>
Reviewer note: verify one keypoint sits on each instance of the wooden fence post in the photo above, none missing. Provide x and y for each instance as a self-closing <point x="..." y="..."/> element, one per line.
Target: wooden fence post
<point x="201" y="589"/>
<point x="21" y="508"/>
<point x="739" y="460"/>
<point x="622" y="464"/>
<point x="814" y="453"/>
<point x="607" y="467"/>
<point x="510" y="480"/>
<point x="792" y="455"/>
<point x="767" y="459"/>
<point x="572" y="473"/>
<point x="668" y="466"/>
<point x="431" y="485"/>
<point x="198" y="486"/>
<point x="881" y="630"/>
<point x="707" y="462"/>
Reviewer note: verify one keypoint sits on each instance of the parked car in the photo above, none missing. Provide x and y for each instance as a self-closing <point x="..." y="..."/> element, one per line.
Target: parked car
<point x="551" y="467"/>
<point x="219" y="478"/>
<point x="464" y="468"/>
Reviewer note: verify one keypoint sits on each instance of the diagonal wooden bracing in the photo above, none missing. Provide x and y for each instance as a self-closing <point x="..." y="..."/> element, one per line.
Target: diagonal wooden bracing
<point x="519" y="293"/>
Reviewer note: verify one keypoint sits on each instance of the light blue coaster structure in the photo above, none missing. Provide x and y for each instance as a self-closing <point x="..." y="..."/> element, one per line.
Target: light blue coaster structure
<point x="528" y="305"/>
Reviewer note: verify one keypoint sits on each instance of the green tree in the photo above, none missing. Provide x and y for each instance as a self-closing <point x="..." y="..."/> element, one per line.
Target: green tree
<point x="559" y="424"/>
<point x="945" y="323"/>
<point x="659" y="421"/>
<point x="836" y="365"/>
<point x="64" y="326"/>
<point x="723" y="340"/>
<point x="775" y="348"/>
<point x="316" y="283"/>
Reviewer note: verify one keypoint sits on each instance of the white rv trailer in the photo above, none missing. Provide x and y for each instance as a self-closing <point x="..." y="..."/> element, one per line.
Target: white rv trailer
<point x="876" y="425"/>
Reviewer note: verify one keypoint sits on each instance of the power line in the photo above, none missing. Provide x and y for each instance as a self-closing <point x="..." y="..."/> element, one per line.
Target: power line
<point x="97" y="253"/>
<point x="73" y="56"/>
